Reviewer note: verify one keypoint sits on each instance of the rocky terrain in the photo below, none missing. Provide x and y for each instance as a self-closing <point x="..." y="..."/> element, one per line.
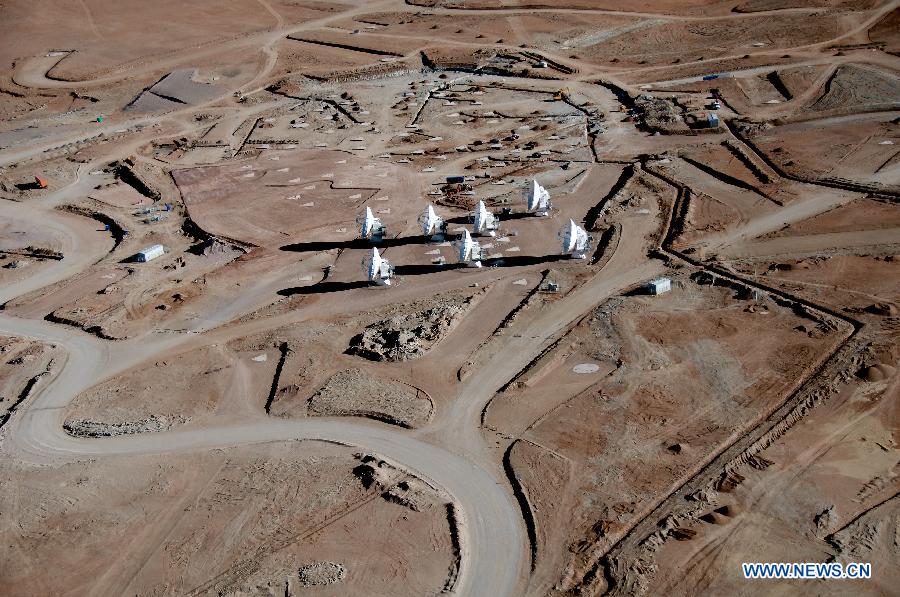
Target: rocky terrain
<point x="353" y="392"/>
<point x="408" y="336"/>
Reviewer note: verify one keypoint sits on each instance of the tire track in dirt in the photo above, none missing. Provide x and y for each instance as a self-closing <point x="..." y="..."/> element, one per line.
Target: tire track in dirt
<point x="90" y="19"/>
<point x="123" y="571"/>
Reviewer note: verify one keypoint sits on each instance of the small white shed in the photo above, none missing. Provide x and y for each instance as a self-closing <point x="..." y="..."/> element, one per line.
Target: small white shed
<point x="151" y="252"/>
<point x="659" y="285"/>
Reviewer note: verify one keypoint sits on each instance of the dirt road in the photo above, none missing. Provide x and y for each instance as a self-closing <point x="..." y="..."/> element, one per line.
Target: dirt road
<point x="493" y="538"/>
<point x="451" y="452"/>
<point x="82" y="242"/>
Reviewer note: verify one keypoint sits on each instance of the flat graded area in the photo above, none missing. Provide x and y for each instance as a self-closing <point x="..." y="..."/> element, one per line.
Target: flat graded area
<point x="862" y="148"/>
<point x="255" y="202"/>
<point x="857" y="216"/>
<point x="275" y="498"/>
<point x="616" y="434"/>
<point x="185" y="389"/>
<point x="448" y="297"/>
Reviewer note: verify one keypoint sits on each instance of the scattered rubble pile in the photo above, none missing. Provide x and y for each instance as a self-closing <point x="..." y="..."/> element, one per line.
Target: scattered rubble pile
<point x="32" y="251"/>
<point x="88" y="428"/>
<point x="658" y="113"/>
<point x="883" y="309"/>
<point x="352" y="392"/>
<point x="320" y="574"/>
<point x="408" y="336"/>
<point x="404" y="490"/>
<point x="874" y="532"/>
<point x="413" y="494"/>
<point x="374" y="471"/>
<point x="214" y="246"/>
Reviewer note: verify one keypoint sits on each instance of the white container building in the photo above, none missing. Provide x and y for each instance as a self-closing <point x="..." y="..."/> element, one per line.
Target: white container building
<point x="659" y="285"/>
<point x="150" y="253"/>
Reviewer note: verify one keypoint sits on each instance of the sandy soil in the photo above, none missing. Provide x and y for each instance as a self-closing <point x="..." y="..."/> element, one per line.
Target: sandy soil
<point x="853" y="149"/>
<point x="96" y="29"/>
<point x="821" y="494"/>
<point x="247" y="414"/>
<point x="865" y="283"/>
<point x="286" y="506"/>
<point x="862" y="214"/>
<point x="329" y="183"/>
<point x="611" y="477"/>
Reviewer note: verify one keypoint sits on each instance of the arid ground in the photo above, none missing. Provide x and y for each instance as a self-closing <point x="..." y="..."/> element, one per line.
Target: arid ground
<point x="247" y="414"/>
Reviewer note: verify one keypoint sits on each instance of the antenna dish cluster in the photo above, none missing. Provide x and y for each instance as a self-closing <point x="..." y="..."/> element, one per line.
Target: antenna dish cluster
<point x="576" y="242"/>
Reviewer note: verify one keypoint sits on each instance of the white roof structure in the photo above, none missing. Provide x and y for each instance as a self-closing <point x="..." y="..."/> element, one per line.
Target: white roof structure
<point x="369" y="225"/>
<point x="660" y="285"/>
<point x="537" y="199"/>
<point x="485" y="222"/>
<point x="151" y="252"/>
<point x="469" y="251"/>
<point x="378" y="271"/>
<point x="430" y="221"/>
<point x="575" y="240"/>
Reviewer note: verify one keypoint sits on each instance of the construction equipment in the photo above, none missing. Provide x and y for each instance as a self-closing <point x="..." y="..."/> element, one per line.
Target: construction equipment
<point x="41" y="183"/>
<point x="562" y="94"/>
<point x="452" y="190"/>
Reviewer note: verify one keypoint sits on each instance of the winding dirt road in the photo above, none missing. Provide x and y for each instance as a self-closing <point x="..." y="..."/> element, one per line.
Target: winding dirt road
<point x="492" y="535"/>
<point x="450" y="453"/>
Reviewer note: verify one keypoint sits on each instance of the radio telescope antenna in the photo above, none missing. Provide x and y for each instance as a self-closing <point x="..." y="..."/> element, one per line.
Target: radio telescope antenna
<point x="370" y="227"/>
<point x="576" y="243"/>
<point x="432" y="224"/>
<point x="485" y="222"/>
<point x="378" y="270"/>
<point x="537" y="199"/>
<point x="469" y="252"/>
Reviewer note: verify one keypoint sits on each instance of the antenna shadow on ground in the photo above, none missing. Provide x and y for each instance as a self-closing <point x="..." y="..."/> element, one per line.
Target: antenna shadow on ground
<point x="323" y="288"/>
<point x="522" y="260"/>
<point x="503" y="217"/>
<point x="356" y="243"/>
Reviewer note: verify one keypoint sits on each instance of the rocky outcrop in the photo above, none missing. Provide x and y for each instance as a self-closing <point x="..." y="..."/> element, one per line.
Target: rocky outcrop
<point x="88" y="428"/>
<point x="409" y="335"/>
